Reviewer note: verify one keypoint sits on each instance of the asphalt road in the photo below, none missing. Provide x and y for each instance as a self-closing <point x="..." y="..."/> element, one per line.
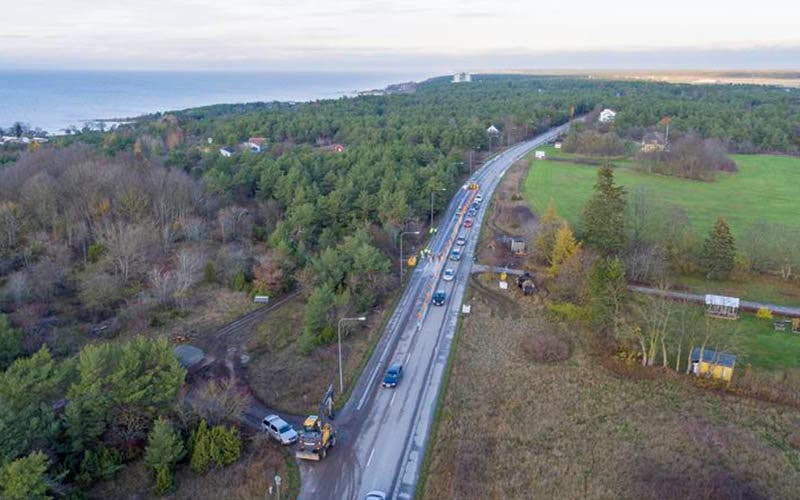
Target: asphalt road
<point x="382" y="432"/>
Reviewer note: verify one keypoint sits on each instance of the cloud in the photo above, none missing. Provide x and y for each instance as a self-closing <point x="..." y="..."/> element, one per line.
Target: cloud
<point x="210" y="33"/>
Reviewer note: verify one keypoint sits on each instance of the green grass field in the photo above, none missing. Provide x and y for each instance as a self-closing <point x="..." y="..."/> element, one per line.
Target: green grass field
<point x="760" y="346"/>
<point x="764" y="189"/>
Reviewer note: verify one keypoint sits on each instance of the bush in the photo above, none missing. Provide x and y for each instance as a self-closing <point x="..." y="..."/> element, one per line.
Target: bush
<point x="94" y="252"/>
<point x="764" y="313"/>
<point x="218" y="445"/>
<point x="240" y="282"/>
<point x="570" y="311"/>
<point x="209" y="273"/>
<point x="546" y="348"/>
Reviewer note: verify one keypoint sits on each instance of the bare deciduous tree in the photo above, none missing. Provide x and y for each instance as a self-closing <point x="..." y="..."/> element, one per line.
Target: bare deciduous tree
<point x="128" y="246"/>
<point x="235" y="223"/>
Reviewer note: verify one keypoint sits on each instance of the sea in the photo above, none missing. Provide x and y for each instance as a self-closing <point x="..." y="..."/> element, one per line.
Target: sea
<point x="56" y="100"/>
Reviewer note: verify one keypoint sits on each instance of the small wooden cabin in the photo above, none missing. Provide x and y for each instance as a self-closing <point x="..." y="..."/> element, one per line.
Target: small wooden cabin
<point x="713" y="364"/>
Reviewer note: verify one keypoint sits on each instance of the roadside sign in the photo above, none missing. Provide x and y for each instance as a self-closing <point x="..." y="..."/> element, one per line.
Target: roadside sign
<point x="261" y="299"/>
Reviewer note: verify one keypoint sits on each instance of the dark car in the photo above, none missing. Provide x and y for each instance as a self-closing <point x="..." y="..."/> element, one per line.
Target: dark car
<point x="461" y="241"/>
<point x="439" y="298"/>
<point x="393" y="375"/>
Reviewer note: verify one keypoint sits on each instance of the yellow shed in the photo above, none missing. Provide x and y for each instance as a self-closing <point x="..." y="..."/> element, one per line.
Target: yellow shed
<point x="713" y="364"/>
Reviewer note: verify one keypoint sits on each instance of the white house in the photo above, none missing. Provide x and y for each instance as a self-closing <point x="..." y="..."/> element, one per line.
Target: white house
<point x="256" y="144"/>
<point x="227" y="152"/>
<point x="607" y="116"/>
<point x="539" y="155"/>
<point x="492" y="130"/>
<point x="557" y="145"/>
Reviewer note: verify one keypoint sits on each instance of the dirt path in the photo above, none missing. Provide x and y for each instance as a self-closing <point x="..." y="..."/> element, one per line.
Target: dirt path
<point x="509" y="218"/>
<point x="793" y="312"/>
<point x="224" y="359"/>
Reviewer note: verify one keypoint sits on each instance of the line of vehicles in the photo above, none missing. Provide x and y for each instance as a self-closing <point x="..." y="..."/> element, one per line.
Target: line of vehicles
<point x="317" y="435"/>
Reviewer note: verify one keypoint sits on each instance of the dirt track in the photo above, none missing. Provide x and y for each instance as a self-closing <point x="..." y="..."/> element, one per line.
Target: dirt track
<point x="509" y="217"/>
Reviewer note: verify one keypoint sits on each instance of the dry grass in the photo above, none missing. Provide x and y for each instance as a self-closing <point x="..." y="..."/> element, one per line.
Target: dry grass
<point x="508" y="216"/>
<point x="284" y="379"/>
<point x="247" y="479"/>
<point x="515" y="428"/>
<point x="545" y="347"/>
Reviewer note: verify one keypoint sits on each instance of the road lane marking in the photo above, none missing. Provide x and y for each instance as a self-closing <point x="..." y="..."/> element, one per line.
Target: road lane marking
<point x="392" y="400"/>
<point x="369" y="460"/>
<point x="369" y="386"/>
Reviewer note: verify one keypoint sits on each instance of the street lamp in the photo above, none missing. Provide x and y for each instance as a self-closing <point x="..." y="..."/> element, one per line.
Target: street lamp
<point x="432" y="193"/>
<point x="401" y="251"/>
<point x="339" y="332"/>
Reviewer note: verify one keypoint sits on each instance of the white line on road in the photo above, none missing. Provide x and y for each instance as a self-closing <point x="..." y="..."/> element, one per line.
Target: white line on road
<point x="369" y="460"/>
<point x="369" y="386"/>
<point x="392" y="400"/>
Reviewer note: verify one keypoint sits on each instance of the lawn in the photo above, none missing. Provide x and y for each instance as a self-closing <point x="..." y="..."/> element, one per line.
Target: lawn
<point x="759" y="345"/>
<point x="764" y="189"/>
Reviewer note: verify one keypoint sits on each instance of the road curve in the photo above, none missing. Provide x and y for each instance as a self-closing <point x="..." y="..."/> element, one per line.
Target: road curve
<point x="383" y="432"/>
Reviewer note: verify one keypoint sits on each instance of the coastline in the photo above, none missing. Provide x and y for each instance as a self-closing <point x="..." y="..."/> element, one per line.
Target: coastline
<point x="57" y="101"/>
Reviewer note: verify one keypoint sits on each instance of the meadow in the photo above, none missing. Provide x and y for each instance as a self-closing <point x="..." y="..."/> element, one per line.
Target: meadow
<point x="764" y="189"/>
<point x="515" y="427"/>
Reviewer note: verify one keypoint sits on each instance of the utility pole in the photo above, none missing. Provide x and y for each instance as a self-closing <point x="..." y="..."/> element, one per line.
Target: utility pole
<point x="339" y="332"/>
<point x="401" y="251"/>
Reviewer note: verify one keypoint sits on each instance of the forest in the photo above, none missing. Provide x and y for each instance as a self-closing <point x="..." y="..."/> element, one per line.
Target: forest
<point x="106" y="236"/>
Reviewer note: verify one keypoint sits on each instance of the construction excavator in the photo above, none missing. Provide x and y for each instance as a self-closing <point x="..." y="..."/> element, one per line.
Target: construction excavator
<point x="315" y="438"/>
<point x="317" y="435"/>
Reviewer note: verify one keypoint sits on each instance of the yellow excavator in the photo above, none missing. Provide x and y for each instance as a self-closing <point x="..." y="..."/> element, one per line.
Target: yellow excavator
<point x="317" y="434"/>
<point x="315" y="438"/>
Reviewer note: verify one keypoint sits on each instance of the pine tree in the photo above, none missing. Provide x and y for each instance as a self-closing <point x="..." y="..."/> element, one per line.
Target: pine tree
<point x="226" y="447"/>
<point x="164" y="449"/>
<point x="25" y="478"/>
<point x="564" y="247"/>
<point x="603" y="216"/>
<point x="216" y="445"/>
<point x="10" y="342"/>
<point x="546" y="233"/>
<point x="201" y="448"/>
<point x="719" y="251"/>
<point x="608" y="289"/>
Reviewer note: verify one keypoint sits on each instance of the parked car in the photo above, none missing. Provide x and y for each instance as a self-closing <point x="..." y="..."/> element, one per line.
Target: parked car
<point x="479" y="198"/>
<point x="461" y="241"/>
<point x="278" y="429"/>
<point x="468" y="223"/>
<point x="375" y="495"/>
<point x="455" y="254"/>
<point x="448" y="275"/>
<point x="393" y="375"/>
<point x="438" y="298"/>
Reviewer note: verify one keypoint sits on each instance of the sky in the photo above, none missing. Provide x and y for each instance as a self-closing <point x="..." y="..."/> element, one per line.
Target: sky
<point x="436" y="35"/>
